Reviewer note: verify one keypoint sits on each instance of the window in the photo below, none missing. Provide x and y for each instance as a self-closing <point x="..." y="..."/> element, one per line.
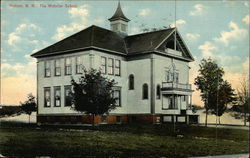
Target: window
<point x="145" y="91"/>
<point x="158" y="92"/>
<point x="117" y="97"/>
<point x="47" y="95"/>
<point x="123" y="27"/>
<point x="171" y="102"/>
<point x="110" y="66"/>
<point x="114" y="27"/>
<point x="47" y="69"/>
<point x="170" y="44"/>
<point x="131" y="82"/>
<point x="169" y="76"/>
<point x="67" y="99"/>
<point x="57" y="67"/>
<point x="103" y="65"/>
<point x="176" y="77"/>
<point x="172" y="76"/>
<point x="79" y="66"/>
<point x="117" y="67"/>
<point x="57" y="96"/>
<point x="68" y="68"/>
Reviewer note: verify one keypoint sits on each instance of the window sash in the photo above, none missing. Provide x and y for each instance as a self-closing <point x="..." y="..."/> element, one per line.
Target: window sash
<point x="103" y="65"/>
<point x="110" y="66"/>
<point x="145" y="91"/>
<point x="131" y="82"/>
<point x="68" y="66"/>
<point x="68" y="70"/>
<point x="57" y="96"/>
<point x="117" y="67"/>
<point x="117" y="96"/>
<point x="78" y="65"/>
<point x="47" y="97"/>
<point x="68" y="61"/>
<point x="158" y="92"/>
<point x="67" y="99"/>
<point x="47" y="70"/>
<point x="79" y="69"/>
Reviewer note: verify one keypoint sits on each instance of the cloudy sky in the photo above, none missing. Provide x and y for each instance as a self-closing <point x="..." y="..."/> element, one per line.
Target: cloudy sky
<point x="216" y="29"/>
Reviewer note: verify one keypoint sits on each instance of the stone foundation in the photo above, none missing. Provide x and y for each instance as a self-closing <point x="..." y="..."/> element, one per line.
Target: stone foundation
<point x="115" y="119"/>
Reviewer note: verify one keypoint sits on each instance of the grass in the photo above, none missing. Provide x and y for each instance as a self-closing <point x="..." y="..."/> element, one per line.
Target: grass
<point x="132" y="140"/>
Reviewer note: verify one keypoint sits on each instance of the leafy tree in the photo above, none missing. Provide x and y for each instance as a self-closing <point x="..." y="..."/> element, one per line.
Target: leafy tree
<point x="29" y="105"/>
<point x="93" y="93"/>
<point x="221" y="98"/>
<point x="210" y="76"/>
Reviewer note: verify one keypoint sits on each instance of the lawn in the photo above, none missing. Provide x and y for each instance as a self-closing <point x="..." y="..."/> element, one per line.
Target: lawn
<point x="120" y="141"/>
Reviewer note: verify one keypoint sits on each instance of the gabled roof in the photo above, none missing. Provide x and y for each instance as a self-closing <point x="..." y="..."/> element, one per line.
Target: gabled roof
<point x="119" y="14"/>
<point x="95" y="37"/>
<point x="146" y="41"/>
<point x="92" y="36"/>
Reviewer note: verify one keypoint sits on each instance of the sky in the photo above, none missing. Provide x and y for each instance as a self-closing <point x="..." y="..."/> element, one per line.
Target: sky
<point x="218" y="29"/>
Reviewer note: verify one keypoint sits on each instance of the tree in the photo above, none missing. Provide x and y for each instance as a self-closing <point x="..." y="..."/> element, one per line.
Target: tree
<point x="210" y="76"/>
<point x="221" y="98"/>
<point x="93" y="93"/>
<point x="29" y="105"/>
<point x="243" y="99"/>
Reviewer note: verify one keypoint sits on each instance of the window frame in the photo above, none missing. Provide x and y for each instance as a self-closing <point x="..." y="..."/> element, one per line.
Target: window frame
<point x="131" y="79"/>
<point x="44" y="97"/>
<point x="123" y="27"/>
<point x="117" y="67"/>
<point x="79" y="65"/>
<point x="111" y="66"/>
<point x="104" y="71"/>
<point x="145" y="94"/>
<point x="158" y="91"/>
<point x="65" y="95"/>
<point x="57" y="67"/>
<point x="60" y="95"/>
<point x="119" y="90"/>
<point x="68" y="66"/>
<point x="48" y="62"/>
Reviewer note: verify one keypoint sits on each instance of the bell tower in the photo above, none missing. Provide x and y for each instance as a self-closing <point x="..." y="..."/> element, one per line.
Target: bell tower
<point x="119" y="22"/>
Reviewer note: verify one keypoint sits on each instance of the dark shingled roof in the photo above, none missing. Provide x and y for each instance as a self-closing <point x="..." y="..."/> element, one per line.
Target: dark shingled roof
<point x="119" y="15"/>
<point x="95" y="37"/>
<point x="92" y="36"/>
<point x="146" y="41"/>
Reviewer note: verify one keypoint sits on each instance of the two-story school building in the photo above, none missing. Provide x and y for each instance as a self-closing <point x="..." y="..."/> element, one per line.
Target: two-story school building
<point x="151" y="70"/>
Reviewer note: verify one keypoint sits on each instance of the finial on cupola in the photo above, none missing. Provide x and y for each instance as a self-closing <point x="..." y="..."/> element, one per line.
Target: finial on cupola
<point x="119" y="22"/>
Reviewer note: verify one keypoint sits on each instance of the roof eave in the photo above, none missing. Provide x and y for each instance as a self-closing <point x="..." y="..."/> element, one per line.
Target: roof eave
<point x="76" y="50"/>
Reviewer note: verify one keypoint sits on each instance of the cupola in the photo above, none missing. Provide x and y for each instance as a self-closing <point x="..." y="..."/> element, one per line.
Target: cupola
<point x="119" y="22"/>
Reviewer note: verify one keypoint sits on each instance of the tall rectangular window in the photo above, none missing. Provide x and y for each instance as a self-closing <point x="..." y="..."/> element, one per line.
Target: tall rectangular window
<point x="47" y="69"/>
<point x="68" y="66"/>
<point x="57" y="67"/>
<point x="117" y="67"/>
<point x="47" y="96"/>
<point x="110" y="66"/>
<point x="57" y="96"/>
<point x="103" y="65"/>
<point x="67" y="99"/>
<point x="79" y="66"/>
<point x="176" y="77"/>
<point x="117" y="97"/>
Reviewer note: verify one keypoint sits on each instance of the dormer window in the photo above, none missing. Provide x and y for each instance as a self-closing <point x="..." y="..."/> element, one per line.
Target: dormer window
<point x="170" y="44"/>
<point x="170" y="48"/>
